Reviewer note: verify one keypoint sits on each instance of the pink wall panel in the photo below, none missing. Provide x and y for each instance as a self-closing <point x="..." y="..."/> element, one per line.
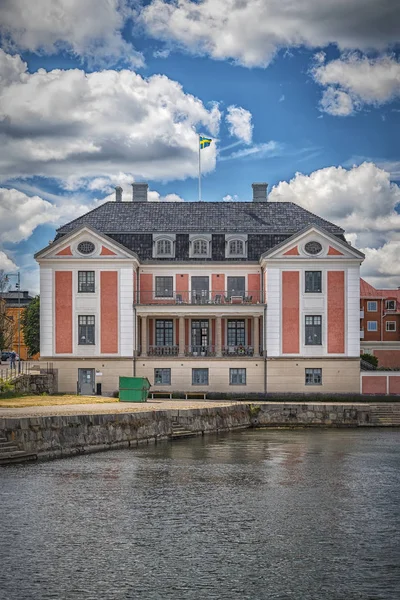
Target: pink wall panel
<point x="290" y="312"/>
<point x="63" y="299"/>
<point x="109" y="312"/>
<point x="336" y="312"/>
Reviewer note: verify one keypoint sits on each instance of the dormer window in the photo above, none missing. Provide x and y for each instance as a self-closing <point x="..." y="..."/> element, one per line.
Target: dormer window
<point x="236" y="246"/>
<point x="200" y="245"/>
<point x="163" y="246"/>
<point x="200" y="248"/>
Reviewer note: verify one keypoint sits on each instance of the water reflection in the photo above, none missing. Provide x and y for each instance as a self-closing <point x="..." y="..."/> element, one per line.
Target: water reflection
<point x="257" y="514"/>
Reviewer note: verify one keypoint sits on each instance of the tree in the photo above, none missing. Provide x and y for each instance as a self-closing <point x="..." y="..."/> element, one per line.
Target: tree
<point x="6" y="323"/>
<point x="370" y="358"/>
<point x="30" y="323"/>
<point x="6" y="327"/>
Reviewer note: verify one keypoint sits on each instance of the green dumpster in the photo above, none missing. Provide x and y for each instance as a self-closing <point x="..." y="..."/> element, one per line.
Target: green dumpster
<point x="133" y="389"/>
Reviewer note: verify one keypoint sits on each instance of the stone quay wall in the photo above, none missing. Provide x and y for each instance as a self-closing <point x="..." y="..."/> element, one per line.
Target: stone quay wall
<point x="60" y="436"/>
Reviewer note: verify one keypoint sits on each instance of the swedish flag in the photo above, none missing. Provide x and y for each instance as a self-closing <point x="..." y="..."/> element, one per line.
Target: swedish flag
<point x="204" y="142"/>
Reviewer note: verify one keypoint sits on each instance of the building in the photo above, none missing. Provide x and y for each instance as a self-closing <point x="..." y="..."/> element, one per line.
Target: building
<point x="380" y="324"/>
<point x="16" y="302"/>
<point x="202" y="296"/>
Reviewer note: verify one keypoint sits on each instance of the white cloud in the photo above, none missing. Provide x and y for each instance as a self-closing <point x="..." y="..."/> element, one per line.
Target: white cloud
<point x="251" y="31"/>
<point x="89" y="28"/>
<point x="6" y="264"/>
<point x="271" y="148"/>
<point x="229" y="198"/>
<point x="239" y="122"/>
<point x="282" y="98"/>
<point x="353" y="81"/>
<point x="363" y="201"/>
<point x="73" y="125"/>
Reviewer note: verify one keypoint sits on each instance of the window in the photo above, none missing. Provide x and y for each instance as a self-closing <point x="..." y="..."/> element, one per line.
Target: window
<point x="85" y="281"/>
<point x="236" y="248"/>
<point x="200" y="335"/>
<point x="164" y="332"/>
<point x="236" y="332"/>
<point x="237" y="376"/>
<point x="236" y="286"/>
<point x="390" y="304"/>
<point x="86" y="330"/>
<point x="162" y="376"/>
<point x="313" y="282"/>
<point x="390" y="325"/>
<point x="313" y="330"/>
<point x="372" y="325"/>
<point x="200" y="248"/>
<point x="313" y="376"/>
<point x="372" y="306"/>
<point x="86" y="248"/>
<point x="164" y="248"/>
<point x="199" y="376"/>
<point x="235" y="245"/>
<point x="164" y="287"/>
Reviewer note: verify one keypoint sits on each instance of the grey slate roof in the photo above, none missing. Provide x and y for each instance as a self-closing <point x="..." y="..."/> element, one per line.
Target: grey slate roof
<point x="196" y="217"/>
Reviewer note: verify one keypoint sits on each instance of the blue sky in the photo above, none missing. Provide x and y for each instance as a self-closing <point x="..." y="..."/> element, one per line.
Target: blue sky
<point x="105" y="92"/>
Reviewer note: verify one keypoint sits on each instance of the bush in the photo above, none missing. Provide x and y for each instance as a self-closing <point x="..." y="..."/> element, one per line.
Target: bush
<point x="115" y="394"/>
<point x="370" y="358"/>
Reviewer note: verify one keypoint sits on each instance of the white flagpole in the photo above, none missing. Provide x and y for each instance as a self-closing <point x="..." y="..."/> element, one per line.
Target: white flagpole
<point x="199" y="170"/>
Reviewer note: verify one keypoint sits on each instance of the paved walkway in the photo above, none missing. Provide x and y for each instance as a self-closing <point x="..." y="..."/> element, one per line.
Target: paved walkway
<point x="128" y="407"/>
<point x="109" y="407"/>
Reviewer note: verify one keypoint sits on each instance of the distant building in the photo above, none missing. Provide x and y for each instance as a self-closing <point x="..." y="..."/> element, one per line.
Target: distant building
<point x="202" y="296"/>
<point x="380" y="324"/>
<point x="14" y="311"/>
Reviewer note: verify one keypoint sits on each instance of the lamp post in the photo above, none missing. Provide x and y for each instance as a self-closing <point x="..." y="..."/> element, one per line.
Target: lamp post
<point x="18" y="287"/>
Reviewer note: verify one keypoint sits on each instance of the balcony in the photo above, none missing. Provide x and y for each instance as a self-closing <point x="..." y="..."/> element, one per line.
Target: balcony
<point x="163" y="350"/>
<point x="209" y="351"/>
<point x="362" y="334"/>
<point x="201" y="297"/>
<point x="361" y="314"/>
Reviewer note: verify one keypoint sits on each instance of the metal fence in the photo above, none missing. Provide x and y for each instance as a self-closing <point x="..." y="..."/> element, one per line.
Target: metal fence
<point x="8" y="373"/>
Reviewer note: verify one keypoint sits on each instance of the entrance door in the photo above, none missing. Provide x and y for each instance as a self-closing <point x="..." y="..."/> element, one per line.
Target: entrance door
<point x="86" y="382"/>
<point x="236" y="287"/>
<point x="199" y="336"/>
<point x="200" y="290"/>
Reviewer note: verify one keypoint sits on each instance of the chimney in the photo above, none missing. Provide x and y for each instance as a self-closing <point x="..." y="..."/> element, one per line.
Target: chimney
<point x="118" y="194"/>
<point x="139" y="192"/>
<point x="259" y="192"/>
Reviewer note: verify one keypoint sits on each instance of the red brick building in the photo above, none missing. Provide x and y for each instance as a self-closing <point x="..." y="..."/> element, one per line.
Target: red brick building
<point x="380" y="324"/>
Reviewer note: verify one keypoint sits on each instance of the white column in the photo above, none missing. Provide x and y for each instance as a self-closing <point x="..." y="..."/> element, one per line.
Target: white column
<point x="218" y="336"/>
<point x="256" y="336"/>
<point x="181" y="351"/>
<point x="144" y="336"/>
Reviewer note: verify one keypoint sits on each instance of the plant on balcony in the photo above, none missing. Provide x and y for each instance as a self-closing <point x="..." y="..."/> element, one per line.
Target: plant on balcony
<point x="370" y="358"/>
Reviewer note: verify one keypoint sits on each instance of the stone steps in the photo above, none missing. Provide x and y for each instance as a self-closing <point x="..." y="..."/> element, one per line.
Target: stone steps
<point x="386" y="415"/>
<point x="179" y="431"/>
<point x="11" y="454"/>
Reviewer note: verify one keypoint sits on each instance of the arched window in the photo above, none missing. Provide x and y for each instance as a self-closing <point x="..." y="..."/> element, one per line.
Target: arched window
<point x="200" y="248"/>
<point x="164" y="247"/>
<point x="236" y="248"/>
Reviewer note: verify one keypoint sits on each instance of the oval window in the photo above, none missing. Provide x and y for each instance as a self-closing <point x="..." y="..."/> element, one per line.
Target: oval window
<point x="86" y="247"/>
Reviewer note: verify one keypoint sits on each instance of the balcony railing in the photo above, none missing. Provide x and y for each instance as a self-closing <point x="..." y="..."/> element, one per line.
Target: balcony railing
<point x="361" y="334"/>
<point x="163" y="351"/>
<point x="201" y="351"/>
<point x="199" y="297"/>
<point x="361" y="314"/>
<point x="240" y="350"/>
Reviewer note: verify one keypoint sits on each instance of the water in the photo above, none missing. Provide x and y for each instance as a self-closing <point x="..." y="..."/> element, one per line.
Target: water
<point x="250" y="515"/>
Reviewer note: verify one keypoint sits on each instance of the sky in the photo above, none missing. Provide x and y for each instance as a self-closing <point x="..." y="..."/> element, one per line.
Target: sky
<point x="302" y="95"/>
